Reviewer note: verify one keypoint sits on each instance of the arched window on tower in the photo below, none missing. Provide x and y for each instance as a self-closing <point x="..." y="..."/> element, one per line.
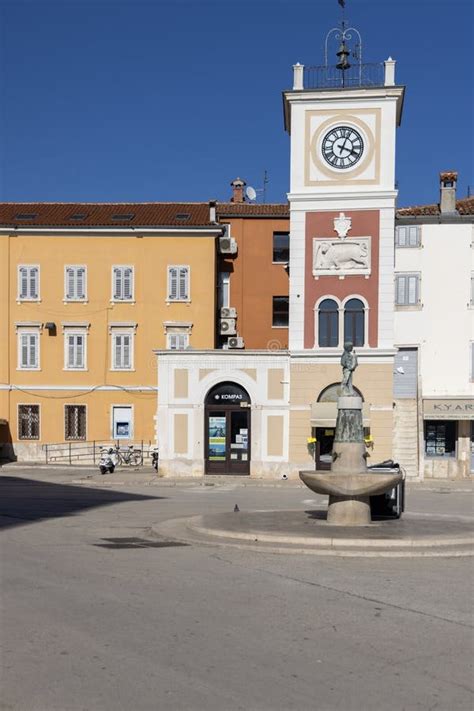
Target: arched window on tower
<point x="354" y="322"/>
<point x="328" y="324"/>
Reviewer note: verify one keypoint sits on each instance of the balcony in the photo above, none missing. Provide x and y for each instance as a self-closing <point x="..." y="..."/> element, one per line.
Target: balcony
<point x="330" y="77"/>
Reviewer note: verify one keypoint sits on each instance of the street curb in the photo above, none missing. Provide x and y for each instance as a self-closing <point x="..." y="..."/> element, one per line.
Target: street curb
<point x="145" y="477"/>
<point x="182" y="530"/>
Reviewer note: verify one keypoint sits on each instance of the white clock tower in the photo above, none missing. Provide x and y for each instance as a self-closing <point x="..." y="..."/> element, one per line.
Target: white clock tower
<point x="342" y="122"/>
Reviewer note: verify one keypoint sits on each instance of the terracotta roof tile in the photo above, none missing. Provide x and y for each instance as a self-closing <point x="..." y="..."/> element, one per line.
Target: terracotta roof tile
<point x="253" y="209"/>
<point x="164" y="214"/>
<point x="465" y="206"/>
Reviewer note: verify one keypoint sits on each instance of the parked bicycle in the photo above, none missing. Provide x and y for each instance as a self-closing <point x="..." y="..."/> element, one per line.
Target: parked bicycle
<point x="130" y="456"/>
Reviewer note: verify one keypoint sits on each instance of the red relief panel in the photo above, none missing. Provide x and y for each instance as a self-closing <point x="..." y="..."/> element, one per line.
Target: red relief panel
<point x="365" y="223"/>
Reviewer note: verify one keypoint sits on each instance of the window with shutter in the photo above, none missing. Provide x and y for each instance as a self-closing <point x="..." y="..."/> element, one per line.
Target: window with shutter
<point x="75" y="283"/>
<point x="122" y="349"/>
<point x="407" y="289"/>
<point x="75" y="351"/>
<point x="28" y="282"/>
<point x="178" y="341"/>
<point x="122" y="284"/>
<point x="178" y="283"/>
<point x="408" y="236"/>
<point x="28" y="350"/>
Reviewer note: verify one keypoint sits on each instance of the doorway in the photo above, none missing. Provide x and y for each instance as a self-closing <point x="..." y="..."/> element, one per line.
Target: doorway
<point x="324" y="442"/>
<point x="227" y="430"/>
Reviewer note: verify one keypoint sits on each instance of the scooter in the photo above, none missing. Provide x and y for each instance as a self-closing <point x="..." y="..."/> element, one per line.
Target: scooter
<point x="107" y="460"/>
<point x="154" y="451"/>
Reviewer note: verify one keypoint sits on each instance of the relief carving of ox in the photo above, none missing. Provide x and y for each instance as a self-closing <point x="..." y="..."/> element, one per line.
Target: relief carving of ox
<point x="345" y="255"/>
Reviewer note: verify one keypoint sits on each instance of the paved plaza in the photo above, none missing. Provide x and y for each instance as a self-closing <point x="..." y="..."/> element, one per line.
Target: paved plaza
<point x="99" y="615"/>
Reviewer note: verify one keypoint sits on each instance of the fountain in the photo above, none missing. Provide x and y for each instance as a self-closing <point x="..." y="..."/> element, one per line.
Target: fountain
<point x="349" y="484"/>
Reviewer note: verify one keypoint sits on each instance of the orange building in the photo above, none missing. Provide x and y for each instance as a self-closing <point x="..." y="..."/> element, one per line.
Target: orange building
<point x="87" y="291"/>
<point x="253" y="276"/>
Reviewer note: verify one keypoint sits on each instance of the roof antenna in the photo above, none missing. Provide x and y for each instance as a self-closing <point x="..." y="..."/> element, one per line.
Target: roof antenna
<point x="251" y="193"/>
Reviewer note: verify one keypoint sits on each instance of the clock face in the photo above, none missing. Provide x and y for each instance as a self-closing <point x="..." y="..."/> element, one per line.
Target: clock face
<point x="342" y="147"/>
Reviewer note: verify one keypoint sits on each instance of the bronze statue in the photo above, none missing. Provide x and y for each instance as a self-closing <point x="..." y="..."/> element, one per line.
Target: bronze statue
<point x="349" y="364"/>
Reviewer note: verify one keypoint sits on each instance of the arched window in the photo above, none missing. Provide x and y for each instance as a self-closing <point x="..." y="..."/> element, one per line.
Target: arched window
<point x="333" y="391"/>
<point x="328" y="324"/>
<point x="354" y="322"/>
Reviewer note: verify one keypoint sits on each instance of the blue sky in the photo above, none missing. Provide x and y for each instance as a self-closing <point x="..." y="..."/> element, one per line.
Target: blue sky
<point x="113" y="100"/>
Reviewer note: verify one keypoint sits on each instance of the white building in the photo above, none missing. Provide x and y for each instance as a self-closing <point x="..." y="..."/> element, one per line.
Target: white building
<point x="434" y="331"/>
<point x="256" y="412"/>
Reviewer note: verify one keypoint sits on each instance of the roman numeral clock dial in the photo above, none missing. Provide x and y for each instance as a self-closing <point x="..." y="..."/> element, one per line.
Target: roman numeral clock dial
<point x="342" y="147"/>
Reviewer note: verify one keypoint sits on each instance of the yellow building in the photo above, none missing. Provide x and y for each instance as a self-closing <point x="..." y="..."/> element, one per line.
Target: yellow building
<point x="87" y="291"/>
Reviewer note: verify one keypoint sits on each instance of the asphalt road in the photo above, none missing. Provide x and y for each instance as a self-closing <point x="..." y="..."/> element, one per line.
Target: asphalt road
<point x="93" y="619"/>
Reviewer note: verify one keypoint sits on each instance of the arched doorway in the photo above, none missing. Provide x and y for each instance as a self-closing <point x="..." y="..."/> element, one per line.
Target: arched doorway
<point x="227" y="430"/>
<point x="325" y="435"/>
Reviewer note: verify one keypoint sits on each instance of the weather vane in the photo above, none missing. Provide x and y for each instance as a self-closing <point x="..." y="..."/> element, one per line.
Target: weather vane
<point x="344" y="33"/>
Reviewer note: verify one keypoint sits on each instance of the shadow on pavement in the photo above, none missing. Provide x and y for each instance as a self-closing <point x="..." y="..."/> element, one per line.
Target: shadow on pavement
<point x="24" y="501"/>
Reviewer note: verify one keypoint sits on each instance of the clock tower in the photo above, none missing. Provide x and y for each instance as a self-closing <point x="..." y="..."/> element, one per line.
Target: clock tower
<point x="342" y="121"/>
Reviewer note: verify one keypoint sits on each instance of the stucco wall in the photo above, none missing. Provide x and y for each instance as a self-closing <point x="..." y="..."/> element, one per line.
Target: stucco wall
<point x="48" y="386"/>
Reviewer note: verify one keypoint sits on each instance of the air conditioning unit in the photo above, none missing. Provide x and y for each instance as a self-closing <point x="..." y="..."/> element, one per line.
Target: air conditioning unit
<point x="227" y="327"/>
<point x="235" y="342"/>
<point x="228" y="312"/>
<point x="227" y="245"/>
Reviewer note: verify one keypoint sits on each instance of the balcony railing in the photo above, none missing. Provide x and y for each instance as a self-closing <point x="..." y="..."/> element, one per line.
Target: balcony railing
<point x="331" y="77"/>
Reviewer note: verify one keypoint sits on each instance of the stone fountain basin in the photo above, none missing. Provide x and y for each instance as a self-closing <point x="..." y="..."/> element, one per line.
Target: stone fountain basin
<point x="362" y="484"/>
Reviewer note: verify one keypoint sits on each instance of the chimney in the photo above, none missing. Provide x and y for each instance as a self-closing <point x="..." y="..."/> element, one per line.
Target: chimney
<point x="447" y="185"/>
<point x="238" y="186"/>
<point x="212" y="210"/>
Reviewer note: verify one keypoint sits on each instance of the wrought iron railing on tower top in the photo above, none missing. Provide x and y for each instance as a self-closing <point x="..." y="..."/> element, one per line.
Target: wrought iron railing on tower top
<point x="330" y="77"/>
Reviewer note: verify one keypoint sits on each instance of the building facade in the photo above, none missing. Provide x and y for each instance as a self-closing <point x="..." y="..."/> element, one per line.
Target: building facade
<point x="434" y="332"/>
<point x="261" y="412"/>
<point x="253" y="280"/>
<point x="87" y="292"/>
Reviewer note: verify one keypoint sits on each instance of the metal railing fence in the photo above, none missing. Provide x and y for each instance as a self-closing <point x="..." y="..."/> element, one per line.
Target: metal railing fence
<point x="85" y="452"/>
<point x="330" y="77"/>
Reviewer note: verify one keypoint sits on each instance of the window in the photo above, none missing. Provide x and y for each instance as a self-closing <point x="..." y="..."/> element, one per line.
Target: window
<point x="28" y="422"/>
<point x="440" y="438"/>
<point x="177" y="341"/>
<point x="74" y="422"/>
<point x="354" y="322"/>
<point x="281" y="247"/>
<point x="408" y="236"/>
<point x="280" y="311"/>
<point x="28" y="350"/>
<point x="178" y="283"/>
<point x="122" y="351"/>
<point x="75" y="283"/>
<point x="122" y="289"/>
<point x="75" y="351"/>
<point x="126" y="217"/>
<point x="407" y="289"/>
<point x="328" y="324"/>
<point x="28" y="282"/>
<point x="224" y="289"/>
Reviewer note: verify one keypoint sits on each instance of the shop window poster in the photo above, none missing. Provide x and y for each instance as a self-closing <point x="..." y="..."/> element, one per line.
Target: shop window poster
<point x="217" y="433"/>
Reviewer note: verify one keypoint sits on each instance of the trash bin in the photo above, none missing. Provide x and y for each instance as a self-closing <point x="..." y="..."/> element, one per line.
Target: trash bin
<point x="391" y="504"/>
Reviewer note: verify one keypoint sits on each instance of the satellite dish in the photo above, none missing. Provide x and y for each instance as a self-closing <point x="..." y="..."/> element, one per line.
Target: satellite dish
<point x="251" y="193"/>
